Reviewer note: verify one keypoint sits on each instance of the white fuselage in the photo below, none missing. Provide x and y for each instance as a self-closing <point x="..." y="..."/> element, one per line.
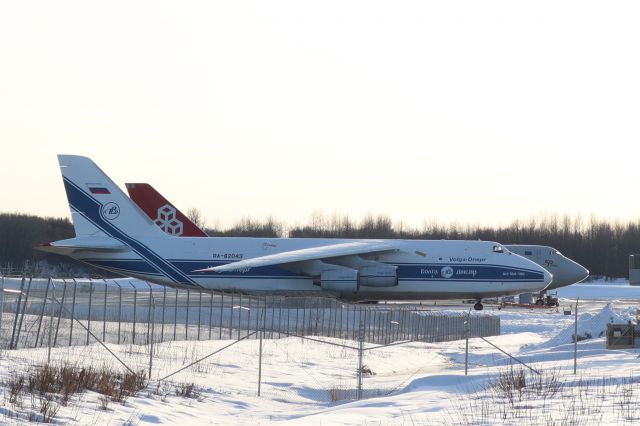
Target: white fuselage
<point x="426" y="269"/>
<point x="114" y="234"/>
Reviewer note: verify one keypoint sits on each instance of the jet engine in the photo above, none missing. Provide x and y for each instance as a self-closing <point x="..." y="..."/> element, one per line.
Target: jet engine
<point x="378" y="275"/>
<point x="340" y="280"/>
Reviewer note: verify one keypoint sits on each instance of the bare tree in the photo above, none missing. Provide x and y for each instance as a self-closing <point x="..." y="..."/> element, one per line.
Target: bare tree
<point x="195" y="216"/>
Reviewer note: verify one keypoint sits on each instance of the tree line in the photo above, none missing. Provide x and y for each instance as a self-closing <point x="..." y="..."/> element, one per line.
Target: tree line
<point x="601" y="246"/>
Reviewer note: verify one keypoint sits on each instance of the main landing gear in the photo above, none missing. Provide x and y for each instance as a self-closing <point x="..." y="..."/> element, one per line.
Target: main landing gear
<point x="478" y="306"/>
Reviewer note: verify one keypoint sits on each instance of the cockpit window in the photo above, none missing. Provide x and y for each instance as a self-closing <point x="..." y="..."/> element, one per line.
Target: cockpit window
<point x="498" y="249"/>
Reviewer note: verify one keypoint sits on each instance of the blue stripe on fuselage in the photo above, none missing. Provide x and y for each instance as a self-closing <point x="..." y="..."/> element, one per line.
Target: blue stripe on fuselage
<point x="412" y="272"/>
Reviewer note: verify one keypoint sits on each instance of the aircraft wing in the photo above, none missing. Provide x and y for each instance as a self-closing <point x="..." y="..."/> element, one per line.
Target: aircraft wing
<point x="308" y="254"/>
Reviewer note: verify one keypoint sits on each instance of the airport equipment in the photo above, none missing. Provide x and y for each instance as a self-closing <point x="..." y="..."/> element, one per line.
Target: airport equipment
<point x="621" y="336"/>
<point x="525" y="298"/>
<point x="550" y="299"/>
<point x="634" y="269"/>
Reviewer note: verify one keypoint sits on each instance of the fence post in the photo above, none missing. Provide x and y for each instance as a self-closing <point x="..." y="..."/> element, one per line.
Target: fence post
<point x="175" y="317"/>
<point x="341" y="307"/>
<point x="317" y="318"/>
<point x="273" y="315"/>
<point x="239" y="314"/>
<point x="50" y="325"/>
<point x="119" y="309"/>
<point x="2" y="304"/>
<point x="164" y="306"/>
<point x="199" y="310"/>
<point x="260" y="351"/>
<point x="221" y="315"/>
<point x="24" y="306"/>
<point x="89" y="316"/>
<point x="288" y="308"/>
<point x="575" y="340"/>
<point x="73" y="310"/>
<point x="152" y="305"/>
<point x="104" y="313"/>
<point x="248" y="315"/>
<point x="149" y="318"/>
<point x="60" y="308"/>
<point x="353" y="323"/>
<point x="210" y="312"/>
<point x="44" y="303"/>
<point x="466" y="350"/>
<point x="230" y="328"/>
<point x="186" y="322"/>
<point x="135" y="310"/>
<point x="360" y="355"/>
<point x="304" y="315"/>
<point x="280" y="319"/>
<point x="297" y="314"/>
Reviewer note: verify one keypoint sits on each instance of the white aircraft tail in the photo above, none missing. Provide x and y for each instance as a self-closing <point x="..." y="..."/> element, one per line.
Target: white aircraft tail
<point x="98" y="206"/>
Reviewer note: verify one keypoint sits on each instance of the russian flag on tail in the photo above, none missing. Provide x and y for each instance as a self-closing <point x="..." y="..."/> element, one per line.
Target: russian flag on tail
<point x="98" y="189"/>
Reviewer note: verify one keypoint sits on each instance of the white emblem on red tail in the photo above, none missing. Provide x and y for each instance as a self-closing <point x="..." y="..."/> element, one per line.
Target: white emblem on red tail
<point x="168" y="221"/>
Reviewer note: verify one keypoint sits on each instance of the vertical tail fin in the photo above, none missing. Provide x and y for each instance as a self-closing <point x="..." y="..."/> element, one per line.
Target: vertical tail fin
<point x="98" y="206"/>
<point x="164" y="214"/>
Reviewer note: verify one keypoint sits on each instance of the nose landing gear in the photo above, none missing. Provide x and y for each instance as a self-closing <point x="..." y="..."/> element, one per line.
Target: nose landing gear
<point x="478" y="306"/>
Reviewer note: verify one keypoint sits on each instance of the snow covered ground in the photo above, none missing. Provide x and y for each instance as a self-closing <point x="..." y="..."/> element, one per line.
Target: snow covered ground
<point x="308" y="382"/>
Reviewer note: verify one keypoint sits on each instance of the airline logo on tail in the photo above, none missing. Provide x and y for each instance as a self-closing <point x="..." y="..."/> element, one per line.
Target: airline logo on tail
<point x="164" y="214"/>
<point x="111" y="211"/>
<point x="168" y="222"/>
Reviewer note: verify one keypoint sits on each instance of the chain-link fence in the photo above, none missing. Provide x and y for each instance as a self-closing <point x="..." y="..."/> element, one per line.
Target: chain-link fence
<point x="41" y="312"/>
<point x="185" y="334"/>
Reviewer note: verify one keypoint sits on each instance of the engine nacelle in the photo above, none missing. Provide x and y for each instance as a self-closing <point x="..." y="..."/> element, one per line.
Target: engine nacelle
<point x="379" y="275"/>
<point x="342" y="280"/>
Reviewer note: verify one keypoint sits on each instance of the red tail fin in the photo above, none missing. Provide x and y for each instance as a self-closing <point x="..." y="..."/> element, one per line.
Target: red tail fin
<point x="162" y="212"/>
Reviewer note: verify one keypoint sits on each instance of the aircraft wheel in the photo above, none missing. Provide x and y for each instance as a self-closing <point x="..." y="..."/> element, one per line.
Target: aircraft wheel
<point x="478" y="306"/>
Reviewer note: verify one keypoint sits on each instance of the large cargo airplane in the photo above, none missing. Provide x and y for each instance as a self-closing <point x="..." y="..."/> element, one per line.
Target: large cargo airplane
<point x="114" y="234"/>
<point x="172" y="221"/>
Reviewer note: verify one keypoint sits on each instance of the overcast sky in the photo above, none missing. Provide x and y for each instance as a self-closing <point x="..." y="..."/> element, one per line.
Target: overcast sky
<point x="475" y="112"/>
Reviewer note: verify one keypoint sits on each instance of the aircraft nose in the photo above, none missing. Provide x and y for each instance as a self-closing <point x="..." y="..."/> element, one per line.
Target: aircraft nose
<point x="581" y="273"/>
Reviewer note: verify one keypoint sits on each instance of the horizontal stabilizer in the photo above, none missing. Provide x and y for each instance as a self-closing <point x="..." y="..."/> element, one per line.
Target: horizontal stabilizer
<point x="308" y="254"/>
<point x="73" y="245"/>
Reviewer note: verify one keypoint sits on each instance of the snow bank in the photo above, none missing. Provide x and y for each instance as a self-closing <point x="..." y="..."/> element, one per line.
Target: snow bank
<point x="593" y="325"/>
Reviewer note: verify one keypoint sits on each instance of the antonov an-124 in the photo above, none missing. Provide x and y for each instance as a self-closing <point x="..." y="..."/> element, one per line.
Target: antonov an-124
<point x="112" y="233"/>
<point x="172" y="221"/>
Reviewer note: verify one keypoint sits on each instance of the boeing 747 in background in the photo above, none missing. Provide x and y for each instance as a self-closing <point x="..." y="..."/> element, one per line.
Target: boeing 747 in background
<point x="113" y="233"/>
